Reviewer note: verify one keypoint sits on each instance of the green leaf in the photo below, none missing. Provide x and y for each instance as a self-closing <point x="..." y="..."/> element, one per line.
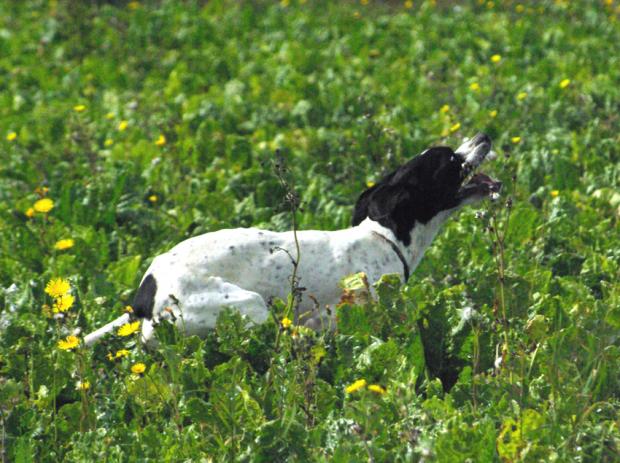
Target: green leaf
<point x="124" y="272"/>
<point x="523" y="223"/>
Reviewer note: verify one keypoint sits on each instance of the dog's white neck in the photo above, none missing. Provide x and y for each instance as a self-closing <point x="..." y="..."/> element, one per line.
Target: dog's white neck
<point x="422" y="236"/>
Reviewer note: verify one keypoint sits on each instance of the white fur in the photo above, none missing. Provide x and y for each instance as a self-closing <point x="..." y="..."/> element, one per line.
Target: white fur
<point x="474" y="155"/>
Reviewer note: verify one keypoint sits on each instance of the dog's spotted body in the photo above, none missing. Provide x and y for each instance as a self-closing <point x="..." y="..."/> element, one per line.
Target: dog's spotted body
<point x="394" y="222"/>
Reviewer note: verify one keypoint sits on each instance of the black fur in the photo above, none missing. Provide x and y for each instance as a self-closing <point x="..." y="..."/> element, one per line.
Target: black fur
<point x="145" y="298"/>
<point x="416" y="191"/>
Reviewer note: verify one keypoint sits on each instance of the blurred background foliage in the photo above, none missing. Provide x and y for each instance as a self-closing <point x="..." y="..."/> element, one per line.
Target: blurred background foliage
<point x="150" y="122"/>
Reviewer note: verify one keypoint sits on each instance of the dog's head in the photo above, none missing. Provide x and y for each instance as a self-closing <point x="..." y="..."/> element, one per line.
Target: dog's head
<point x="437" y="180"/>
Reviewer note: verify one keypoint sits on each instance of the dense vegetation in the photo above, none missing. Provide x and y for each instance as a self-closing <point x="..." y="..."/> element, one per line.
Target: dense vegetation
<point x="128" y="127"/>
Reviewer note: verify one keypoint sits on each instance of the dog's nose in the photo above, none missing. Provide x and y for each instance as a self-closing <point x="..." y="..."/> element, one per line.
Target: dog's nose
<point x="481" y="138"/>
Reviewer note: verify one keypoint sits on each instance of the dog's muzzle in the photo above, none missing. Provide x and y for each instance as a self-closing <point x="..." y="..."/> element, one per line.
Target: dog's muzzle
<point x="474" y="152"/>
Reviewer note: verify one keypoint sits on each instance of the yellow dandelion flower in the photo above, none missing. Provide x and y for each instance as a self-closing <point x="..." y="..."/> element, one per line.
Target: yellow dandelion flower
<point x="370" y="184"/>
<point x="519" y="8"/>
<point x="11" y="136"/>
<point x="455" y="127"/>
<point x="515" y="140"/>
<point x="444" y="109"/>
<point x="521" y="96"/>
<point x="129" y="328"/>
<point x="61" y="245"/>
<point x="30" y="212"/>
<point x="108" y="142"/>
<point x="79" y="108"/>
<point x="109" y="116"/>
<point x="122" y="125"/>
<point x="121" y="353"/>
<point x="496" y="58"/>
<point x="153" y="198"/>
<point x="564" y="83"/>
<point x="82" y="385"/>
<point x="161" y="141"/>
<point x="286" y="323"/>
<point x="57" y="287"/>
<point x="63" y="303"/>
<point x="474" y="86"/>
<point x="493" y="114"/>
<point x="376" y="388"/>
<point x="138" y="368"/>
<point x="408" y="4"/>
<point x="128" y="309"/>
<point x="70" y="342"/>
<point x="555" y="193"/>
<point x="356" y="386"/>
<point x="43" y="205"/>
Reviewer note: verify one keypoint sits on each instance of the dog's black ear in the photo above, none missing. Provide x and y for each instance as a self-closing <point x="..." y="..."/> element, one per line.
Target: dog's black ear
<point x="361" y="206"/>
<point x="383" y="202"/>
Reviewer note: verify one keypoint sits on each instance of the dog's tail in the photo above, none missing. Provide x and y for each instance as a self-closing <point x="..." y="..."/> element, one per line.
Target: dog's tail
<point x="93" y="337"/>
<point x="142" y="308"/>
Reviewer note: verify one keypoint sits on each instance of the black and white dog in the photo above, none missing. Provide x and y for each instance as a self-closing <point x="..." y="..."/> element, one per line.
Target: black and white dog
<point x="394" y="222"/>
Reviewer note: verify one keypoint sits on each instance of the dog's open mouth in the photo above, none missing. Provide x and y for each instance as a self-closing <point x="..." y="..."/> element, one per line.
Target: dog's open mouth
<point x="474" y="152"/>
<point x="480" y="184"/>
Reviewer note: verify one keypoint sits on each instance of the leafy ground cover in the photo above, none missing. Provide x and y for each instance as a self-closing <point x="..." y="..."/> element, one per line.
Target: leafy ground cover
<point x="128" y="127"/>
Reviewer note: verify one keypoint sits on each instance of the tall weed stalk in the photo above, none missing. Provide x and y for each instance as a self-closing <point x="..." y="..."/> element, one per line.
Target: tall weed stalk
<point x="498" y="227"/>
<point x="292" y="201"/>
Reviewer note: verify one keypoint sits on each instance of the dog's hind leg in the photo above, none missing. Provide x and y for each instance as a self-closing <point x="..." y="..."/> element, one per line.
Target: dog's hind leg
<point x="195" y="309"/>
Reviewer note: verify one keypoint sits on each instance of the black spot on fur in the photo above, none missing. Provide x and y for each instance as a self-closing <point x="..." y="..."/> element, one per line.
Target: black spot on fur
<point x="145" y="298"/>
<point x="415" y="192"/>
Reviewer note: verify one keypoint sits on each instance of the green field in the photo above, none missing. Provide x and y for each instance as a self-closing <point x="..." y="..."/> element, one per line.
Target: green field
<point x="127" y="127"/>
